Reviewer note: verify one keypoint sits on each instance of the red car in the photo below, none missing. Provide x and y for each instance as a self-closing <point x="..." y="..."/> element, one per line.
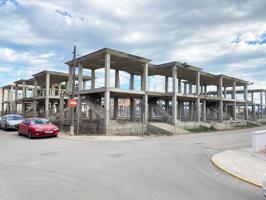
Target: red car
<point x="37" y="127"/>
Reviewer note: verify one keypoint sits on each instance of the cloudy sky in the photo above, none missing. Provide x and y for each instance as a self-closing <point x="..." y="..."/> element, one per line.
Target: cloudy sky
<point x="220" y="36"/>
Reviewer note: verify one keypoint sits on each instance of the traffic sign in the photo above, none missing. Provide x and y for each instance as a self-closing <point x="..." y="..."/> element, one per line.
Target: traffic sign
<point x="72" y="102"/>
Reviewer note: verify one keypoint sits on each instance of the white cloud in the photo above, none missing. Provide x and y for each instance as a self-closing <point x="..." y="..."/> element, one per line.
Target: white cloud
<point x="212" y="35"/>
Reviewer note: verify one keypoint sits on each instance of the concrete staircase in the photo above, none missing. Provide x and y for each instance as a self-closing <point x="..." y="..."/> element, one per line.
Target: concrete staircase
<point x="57" y="115"/>
<point x="158" y="108"/>
<point x="254" y="123"/>
<point x="215" y="110"/>
<point x="165" y="127"/>
<point x="29" y="112"/>
<point x="97" y="109"/>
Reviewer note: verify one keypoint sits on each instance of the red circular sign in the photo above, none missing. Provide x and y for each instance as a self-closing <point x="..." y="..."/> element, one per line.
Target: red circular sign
<point x="72" y="102"/>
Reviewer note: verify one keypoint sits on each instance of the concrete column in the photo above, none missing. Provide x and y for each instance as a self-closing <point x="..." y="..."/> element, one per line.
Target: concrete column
<point x="23" y="90"/>
<point x="115" y="108"/>
<point x="84" y="85"/>
<point x="131" y="82"/>
<point x="174" y="100"/>
<point x="117" y="79"/>
<point x="61" y="107"/>
<point x="34" y="98"/>
<point x="190" y="88"/>
<point x="16" y="98"/>
<point x="141" y="83"/>
<point x="26" y="92"/>
<point x="166" y="105"/>
<point x="53" y="90"/>
<point x="197" y="83"/>
<point x="246" y="99"/>
<point x="221" y="114"/>
<point x="150" y="112"/>
<point x="11" y="98"/>
<point x="234" y="90"/>
<point x="145" y="78"/>
<point x="205" y="90"/>
<point x="67" y="86"/>
<point x="132" y="109"/>
<point x="59" y="89"/>
<point x="179" y="85"/>
<point x="265" y="103"/>
<point x="107" y="91"/>
<point x="204" y="110"/>
<point x="23" y="97"/>
<point x="252" y="97"/>
<point x="80" y="74"/>
<point x="185" y="88"/>
<point x="239" y="109"/>
<point x="166" y="79"/>
<point x="226" y="108"/>
<point x="3" y="99"/>
<point x="219" y="89"/>
<point x="261" y="107"/>
<point x="93" y="79"/>
<point x="146" y="88"/>
<point x="179" y="110"/>
<point x="234" y="97"/>
<point x="47" y="95"/>
<point x="254" y="112"/>
<point x="182" y="110"/>
<point x="225" y="92"/>
<point x="190" y="110"/>
<point x="220" y="86"/>
<point x="198" y="111"/>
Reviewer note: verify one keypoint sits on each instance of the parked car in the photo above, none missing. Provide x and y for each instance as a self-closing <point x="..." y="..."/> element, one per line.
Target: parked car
<point x="37" y="127"/>
<point x="264" y="185"/>
<point x="10" y="121"/>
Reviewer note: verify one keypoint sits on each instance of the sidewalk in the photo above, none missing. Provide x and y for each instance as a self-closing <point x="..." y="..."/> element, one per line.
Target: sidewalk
<point x="242" y="164"/>
<point x="98" y="138"/>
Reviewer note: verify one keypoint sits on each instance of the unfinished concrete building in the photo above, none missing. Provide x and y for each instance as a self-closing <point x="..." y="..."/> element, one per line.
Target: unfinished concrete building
<point x="119" y="104"/>
<point x="9" y="94"/>
<point x="31" y="99"/>
<point x="196" y="97"/>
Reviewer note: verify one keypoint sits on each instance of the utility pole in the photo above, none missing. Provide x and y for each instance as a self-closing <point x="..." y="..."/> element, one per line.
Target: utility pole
<point x="72" y="116"/>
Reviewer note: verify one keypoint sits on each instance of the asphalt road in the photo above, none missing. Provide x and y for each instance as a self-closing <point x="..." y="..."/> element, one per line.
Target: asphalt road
<point x="162" y="168"/>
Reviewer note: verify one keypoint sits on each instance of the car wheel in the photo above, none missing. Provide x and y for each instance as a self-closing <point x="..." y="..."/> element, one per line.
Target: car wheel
<point x="29" y="135"/>
<point x="6" y="128"/>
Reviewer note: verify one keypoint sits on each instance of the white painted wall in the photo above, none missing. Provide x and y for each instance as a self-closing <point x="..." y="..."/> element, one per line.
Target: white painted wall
<point x="258" y="140"/>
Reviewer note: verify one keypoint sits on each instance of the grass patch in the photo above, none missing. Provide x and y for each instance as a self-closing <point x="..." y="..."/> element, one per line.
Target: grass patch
<point x="245" y="126"/>
<point x="201" y="129"/>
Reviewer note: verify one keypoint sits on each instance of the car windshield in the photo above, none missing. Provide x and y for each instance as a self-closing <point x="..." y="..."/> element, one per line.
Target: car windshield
<point x="14" y="117"/>
<point x="40" y="121"/>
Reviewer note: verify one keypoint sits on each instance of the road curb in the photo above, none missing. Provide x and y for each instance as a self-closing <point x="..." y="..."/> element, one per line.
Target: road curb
<point x="216" y="164"/>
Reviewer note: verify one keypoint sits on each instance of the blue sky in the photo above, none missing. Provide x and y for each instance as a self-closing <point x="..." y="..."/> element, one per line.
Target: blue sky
<point x="219" y="36"/>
